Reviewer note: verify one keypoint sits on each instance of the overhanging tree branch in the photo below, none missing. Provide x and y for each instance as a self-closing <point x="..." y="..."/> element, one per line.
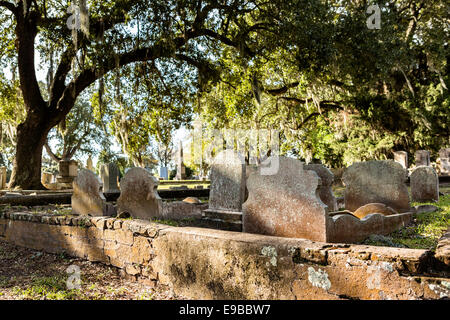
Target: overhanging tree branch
<point x="10" y="6"/>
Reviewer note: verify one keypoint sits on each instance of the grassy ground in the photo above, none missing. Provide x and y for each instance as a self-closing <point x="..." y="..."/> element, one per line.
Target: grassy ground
<point x="27" y="274"/>
<point x="424" y="231"/>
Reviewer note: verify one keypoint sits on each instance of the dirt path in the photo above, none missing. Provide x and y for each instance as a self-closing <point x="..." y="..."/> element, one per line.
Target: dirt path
<point x="31" y="274"/>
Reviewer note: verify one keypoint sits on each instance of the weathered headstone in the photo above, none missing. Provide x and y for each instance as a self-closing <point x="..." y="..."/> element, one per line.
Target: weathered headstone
<point x="376" y="182"/>
<point x="87" y="198"/>
<point x="325" y="190"/>
<point x="424" y="183"/>
<point x="89" y="164"/>
<point x="109" y="174"/>
<point x="444" y="156"/>
<point x="2" y="178"/>
<point x="68" y="170"/>
<point x="402" y="158"/>
<point x="227" y="190"/>
<point x="422" y="158"/>
<point x="181" y="168"/>
<point x="139" y="196"/>
<point x="286" y="203"/>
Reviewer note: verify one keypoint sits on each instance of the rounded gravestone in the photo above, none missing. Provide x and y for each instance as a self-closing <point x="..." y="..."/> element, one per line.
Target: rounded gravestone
<point x="424" y="183"/>
<point x="376" y="182"/>
<point x="138" y="195"/>
<point x="87" y="198"/>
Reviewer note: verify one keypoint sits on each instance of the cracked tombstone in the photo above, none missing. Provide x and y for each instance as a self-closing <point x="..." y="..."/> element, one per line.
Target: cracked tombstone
<point x="424" y="183"/>
<point x="285" y="204"/>
<point x="376" y="182"/>
<point x="325" y="191"/>
<point x="139" y="196"/>
<point x="87" y="198"/>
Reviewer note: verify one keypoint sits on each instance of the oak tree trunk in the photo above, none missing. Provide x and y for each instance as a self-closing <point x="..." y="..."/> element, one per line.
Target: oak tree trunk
<point x="31" y="137"/>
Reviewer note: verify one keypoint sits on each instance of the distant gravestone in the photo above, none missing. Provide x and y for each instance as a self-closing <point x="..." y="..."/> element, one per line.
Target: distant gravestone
<point x="424" y="183"/>
<point x="227" y="189"/>
<point x="376" y="182"/>
<point x="87" y="198"/>
<point x="109" y="174"/>
<point x="444" y="156"/>
<point x="90" y="164"/>
<point x="181" y="168"/>
<point x="68" y="170"/>
<point x="2" y="178"/>
<point x="402" y="158"/>
<point x="139" y="196"/>
<point x="164" y="173"/>
<point x="422" y="158"/>
<point x="325" y="191"/>
<point x="285" y="203"/>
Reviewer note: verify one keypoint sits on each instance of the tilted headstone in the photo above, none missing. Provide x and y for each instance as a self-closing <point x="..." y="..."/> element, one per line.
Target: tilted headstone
<point x="444" y="156"/>
<point x="109" y="174"/>
<point x="422" y="158"/>
<point x="325" y="191"/>
<point x="181" y="168"/>
<point x="87" y="198"/>
<point x="227" y="189"/>
<point x="402" y="158"/>
<point x="139" y="196"/>
<point x="424" y="183"/>
<point x="376" y="182"/>
<point x="285" y="203"/>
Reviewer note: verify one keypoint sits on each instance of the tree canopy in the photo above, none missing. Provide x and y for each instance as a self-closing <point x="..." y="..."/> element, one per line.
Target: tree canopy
<point x="336" y="88"/>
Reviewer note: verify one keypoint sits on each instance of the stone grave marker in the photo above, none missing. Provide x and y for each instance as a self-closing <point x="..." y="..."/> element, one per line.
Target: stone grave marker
<point x="422" y="158"/>
<point x="285" y="203"/>
<point x="164" y="173"/>
<point x="87" y="198"/>
<point x="325" y="191"/>
<point x="444" y="156"/>
<point x="139" y="196"/>
<point x="402" y="158"/>
<point x="109" y="174"/>
<point x="424" y="183"/>
<point x="227" y="189"/>
<point x="181" y="168"/>
<point x="90" y="164"/>
<point x="376" y="182"/>
<point x="68" y="170"/>
<point x="2" y="178"/>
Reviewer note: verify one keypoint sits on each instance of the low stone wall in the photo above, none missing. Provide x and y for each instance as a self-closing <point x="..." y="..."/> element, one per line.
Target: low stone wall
<point x="213" y="264"/>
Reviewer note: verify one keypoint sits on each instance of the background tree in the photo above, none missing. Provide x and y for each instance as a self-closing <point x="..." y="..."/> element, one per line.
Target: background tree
<point x="121" y="33"/>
